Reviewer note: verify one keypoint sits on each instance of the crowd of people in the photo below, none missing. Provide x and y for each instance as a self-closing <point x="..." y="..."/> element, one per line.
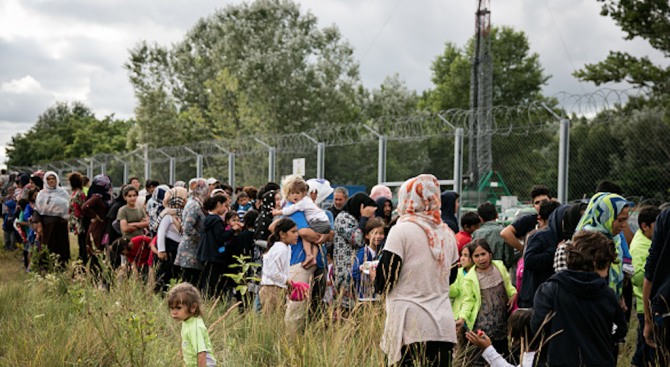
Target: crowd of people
<point x="554" y="288"/>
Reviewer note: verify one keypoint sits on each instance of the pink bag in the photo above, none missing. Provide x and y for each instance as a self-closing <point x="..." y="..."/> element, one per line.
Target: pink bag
<point x="300" y="291"/>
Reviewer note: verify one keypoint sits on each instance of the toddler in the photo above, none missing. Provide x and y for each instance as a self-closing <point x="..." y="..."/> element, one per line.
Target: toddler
<point x="185" y="306"/>
<point x="243" y="204"/>
<point x="315" y="217"/>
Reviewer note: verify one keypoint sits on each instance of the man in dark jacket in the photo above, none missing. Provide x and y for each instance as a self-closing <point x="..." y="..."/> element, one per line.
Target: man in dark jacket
<point x="538" y="259"/>
<point x="584" y="308"/>
<point x="656" y="286"/>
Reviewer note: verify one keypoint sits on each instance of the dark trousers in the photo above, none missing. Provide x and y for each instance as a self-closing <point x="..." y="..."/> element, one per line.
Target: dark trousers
<point x="191" y="276"/>
<point x="167" y="270"/>
<point x="81" y="241"/>
<point x="214" y="283"/>
<point x="644" y="354"/>
<point x="319" y="288"/>
<point x="430" y="353"/>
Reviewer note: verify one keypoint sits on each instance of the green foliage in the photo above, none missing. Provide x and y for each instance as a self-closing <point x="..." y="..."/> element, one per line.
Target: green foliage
<point x="647" y="19"/>
<point x="243" y="278"/>
<point x="518" y="76"/>
<point x="67" y="131"/>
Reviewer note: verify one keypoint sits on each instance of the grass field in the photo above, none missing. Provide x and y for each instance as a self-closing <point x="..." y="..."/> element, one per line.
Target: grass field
<point x="68" y="321"/>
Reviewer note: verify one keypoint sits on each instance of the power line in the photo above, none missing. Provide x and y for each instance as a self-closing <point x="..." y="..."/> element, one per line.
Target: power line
<point x="380" y="30"/>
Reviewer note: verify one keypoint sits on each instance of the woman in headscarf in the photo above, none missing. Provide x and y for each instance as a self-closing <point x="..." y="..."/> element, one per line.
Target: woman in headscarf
<point x="51" y="216"/>
<point x="449" y="208"/>
<point x="76" y="219"/>
<point x="607" y="213"/>
<point x="414" y="272"/>
<point x="95" y="209"/>
<point x="22" y="183"/>
<point x="168" y="236"/>
<point x="181" y="184"/>
<point x="348" y="239"/>
<point x="379" y="191"/>
<point x="193" y="220"/>
<point x="155" y="207"/>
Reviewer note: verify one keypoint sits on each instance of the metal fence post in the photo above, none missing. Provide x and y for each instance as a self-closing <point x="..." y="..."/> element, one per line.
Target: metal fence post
<point x="458" y="164"/>
<point x="231" y="169"/>
<point x="381" y="162"/>
<point x="147" y="163"/>
<point x="320" y="155"/>
<point x="272" y="155"/>
<point x="173" y="170"/>
<point x="103" y="169"/>
<point x="563" y="160"/>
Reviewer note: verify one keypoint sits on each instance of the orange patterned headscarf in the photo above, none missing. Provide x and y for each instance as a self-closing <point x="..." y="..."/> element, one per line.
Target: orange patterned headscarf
<point x="419" y="202"/>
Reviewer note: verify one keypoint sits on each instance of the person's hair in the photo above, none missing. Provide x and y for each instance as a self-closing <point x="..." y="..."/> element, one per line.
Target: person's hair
<point x="229" y="215"/>
<point x="547" y="208"/>
<point x="271" y="186"/>
<point x="341" y="190"/>
<point x="84" y="180"/>
<point x="76" y="181"/>
<point x="3" y="171"/>
<point x="126" y="190"/>
<point x="609" y="186"/>
<point x="23" y="203"/>
<point x="298" y="186"/>
<point x="518" y="326"/>
<point x="151" y="183"/>
<point x="225" y="187"/>
<point x="373" y="223"/>
<point x="478" y="242"/>
<point x="211" y="202"/>
<point x="241" y="196"/>
<point x="33" y="193"/>
<point x="648" y="215"/>
<point x="470" y="219"/>
<point x="249" y="218"/>
<point x="121" y="244"/>
<point x="589" y="248"/>
<point x="133" y="178"/>
<point x="487" y="211"/>
<point x="539" y="190"/>
<point x="251" y="191"/>
<point x="283" y="225"/>
<point x="238" y="189"/>
<point x="185" y="294"/>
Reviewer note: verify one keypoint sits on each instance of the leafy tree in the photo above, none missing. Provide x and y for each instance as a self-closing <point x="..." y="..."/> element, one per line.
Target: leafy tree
<point x="67" y="131"/>
<point x="647" y="19"/>
<point x="518" y="76"/>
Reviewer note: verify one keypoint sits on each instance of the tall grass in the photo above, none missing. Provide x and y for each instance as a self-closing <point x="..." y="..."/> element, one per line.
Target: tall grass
<point x="67" y="320"/>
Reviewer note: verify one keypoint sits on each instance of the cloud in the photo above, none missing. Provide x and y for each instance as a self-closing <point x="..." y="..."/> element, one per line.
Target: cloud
<point x="25" y="85"/>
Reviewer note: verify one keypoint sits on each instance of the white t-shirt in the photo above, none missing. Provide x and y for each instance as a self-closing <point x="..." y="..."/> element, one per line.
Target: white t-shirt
<point x="312" y="212"/>
<point x="418" y="307"/>
<point x="166" y="230"/>
<point x="276" y="265"/>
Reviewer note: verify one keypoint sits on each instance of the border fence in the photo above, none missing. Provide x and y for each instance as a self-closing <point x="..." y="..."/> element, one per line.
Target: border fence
<point x="567" y="142"/>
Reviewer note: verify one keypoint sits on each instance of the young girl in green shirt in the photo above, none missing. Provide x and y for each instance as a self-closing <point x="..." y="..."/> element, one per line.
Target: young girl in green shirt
<point x="185" y="307"/>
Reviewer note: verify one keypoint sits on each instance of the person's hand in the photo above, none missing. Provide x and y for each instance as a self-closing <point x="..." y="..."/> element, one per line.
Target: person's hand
<point x="482" y="341"/>
<point x="321" y="240"/>
<point x="237" y="227"/>
<point x="276" y="212"/>
<point x="368" y="211"/>
<point x="459" y="324"/>
<point x="510" y="303"/>
<point x="373" y="273"/>
<point x="648" y="332"/>
<point x="162" y="256"/>
<point x="622" y="302"/>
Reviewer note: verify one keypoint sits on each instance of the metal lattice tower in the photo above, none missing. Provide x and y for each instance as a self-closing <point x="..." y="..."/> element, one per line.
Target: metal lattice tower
<point x="481" y="95"/>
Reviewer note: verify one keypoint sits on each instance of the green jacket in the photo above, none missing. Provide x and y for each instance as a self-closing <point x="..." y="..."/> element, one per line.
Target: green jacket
<point x="501" y="250"/>
<point x="639" y="251"/>
<point x="456" y="292"/>
<point x="472" y="295"/>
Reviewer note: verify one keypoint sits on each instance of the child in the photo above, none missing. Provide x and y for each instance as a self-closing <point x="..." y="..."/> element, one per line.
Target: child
<point x="213" y="246"/>
<point x="315" y="217"/>
<point x="276" y="264"/>
<point x="23" y="228"/>
<point x="490" y="231"/>
<point x="243" y="204"/>
<point x="136" y="250"/>
<point x="185" y="306"/>
<point x="470" y="222"/>
<point x="585" y="309"/>
<point x="456" y="295"/>
<point x="639" y="250"/>
<point x="374" y="235"/>
<point x="488" y="296"/>
<point x="518" y="327"/>
<point x="132" y="218"/>
<point x="10" y="234"/>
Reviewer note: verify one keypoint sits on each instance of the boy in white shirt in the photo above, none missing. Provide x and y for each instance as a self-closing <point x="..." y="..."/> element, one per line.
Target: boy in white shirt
<point x="315" y="217"/>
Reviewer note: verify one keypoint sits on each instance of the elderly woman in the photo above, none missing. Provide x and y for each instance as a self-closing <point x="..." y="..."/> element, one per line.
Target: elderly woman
<point x="414" y="273"/>
<point x="51" y="216"/>
<point x="193" y="222"/>
<point x="168" y="236"/>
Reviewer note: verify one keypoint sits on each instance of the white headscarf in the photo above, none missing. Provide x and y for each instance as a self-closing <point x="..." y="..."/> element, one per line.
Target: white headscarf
<point x="53" y="200"/>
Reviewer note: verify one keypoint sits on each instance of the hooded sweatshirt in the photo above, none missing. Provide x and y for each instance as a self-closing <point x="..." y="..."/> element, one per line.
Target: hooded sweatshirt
<point x="659" y="254"/>
<point x="585" y="309"/>
<point x="213" y="239"/>
<point x="538" y="258"/>
<point x="447" y="210"/>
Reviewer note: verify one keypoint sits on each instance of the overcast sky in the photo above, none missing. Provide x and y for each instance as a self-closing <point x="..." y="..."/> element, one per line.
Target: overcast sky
<point x="52" y="50"/>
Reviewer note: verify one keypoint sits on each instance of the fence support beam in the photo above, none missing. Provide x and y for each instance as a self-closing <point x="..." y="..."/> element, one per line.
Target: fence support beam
<point x="563" y="160"/>
<point x="458" y="164"/>
<point x="381" y="162"/>
<point x="126" y="167"/>
<point x="198" y="162"/>
<point x="173" y="166"/>
<point x="231" y="165"/>
<point x="272" y="155"/>
<point x="320" y="156"/>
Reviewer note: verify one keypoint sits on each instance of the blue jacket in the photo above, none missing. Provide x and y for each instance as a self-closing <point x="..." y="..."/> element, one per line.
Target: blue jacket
<point x="365" y="287"/>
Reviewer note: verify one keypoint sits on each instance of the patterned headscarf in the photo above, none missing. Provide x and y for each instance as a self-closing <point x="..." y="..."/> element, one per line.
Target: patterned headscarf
<point x="155" y="206"/>
<point x="262" y="225"/>
<point x="199" y="189"/>
<point x="101" y="185"/>
<point x="599" y="216"/>
<point x="181" y="184"/>
<point x="174" y="202"/>
<point x="419" y="202"/>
